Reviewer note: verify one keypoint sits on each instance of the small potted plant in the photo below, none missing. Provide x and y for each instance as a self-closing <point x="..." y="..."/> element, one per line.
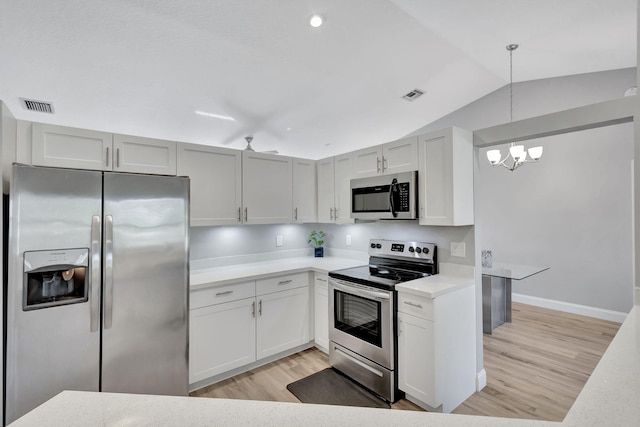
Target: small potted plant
<point x="316" y="239"/>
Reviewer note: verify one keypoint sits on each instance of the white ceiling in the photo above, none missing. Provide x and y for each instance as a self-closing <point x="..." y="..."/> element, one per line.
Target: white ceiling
<point x="143" y="67"/>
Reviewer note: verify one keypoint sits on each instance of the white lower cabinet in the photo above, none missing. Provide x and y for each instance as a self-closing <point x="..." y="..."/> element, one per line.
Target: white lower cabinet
<point x="321" y="311"/>
<point x="436" y="348"/>
<point x="237" y="324"/>
<point x="222" y="337"/>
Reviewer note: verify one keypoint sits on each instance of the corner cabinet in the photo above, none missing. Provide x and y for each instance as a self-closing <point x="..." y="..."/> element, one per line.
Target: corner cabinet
<point x="65" y="147"/>
<point x="446" y="177"/>
<point x="334" y="189"/>
<point x="436" y="348"/>
<point x="392" y="157"/>
<point x="216" y="183"/>
<point x="267" y="188"/>
<point x="305" y="200"/>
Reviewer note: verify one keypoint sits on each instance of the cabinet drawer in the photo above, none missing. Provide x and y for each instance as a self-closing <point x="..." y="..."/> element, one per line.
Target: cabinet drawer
<point x="416" y="305"/>
<point x="281" y="283"/>
<point x="220" y="294"/>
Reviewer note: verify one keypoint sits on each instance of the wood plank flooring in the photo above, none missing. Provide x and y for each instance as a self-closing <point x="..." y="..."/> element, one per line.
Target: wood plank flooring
<point x="536" y="367"/>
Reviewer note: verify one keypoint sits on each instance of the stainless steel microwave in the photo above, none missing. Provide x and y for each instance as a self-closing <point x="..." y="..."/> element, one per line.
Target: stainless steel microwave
<point x="393" y="196"/>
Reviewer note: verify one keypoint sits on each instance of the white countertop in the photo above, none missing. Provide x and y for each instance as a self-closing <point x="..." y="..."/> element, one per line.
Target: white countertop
<point x="223" y="275"/>
<point x="451" y="278"/>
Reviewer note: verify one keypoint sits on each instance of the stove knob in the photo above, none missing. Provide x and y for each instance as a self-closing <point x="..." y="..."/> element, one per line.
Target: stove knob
<point x="378" y="245"/>
<point x="411" y="249"/>
<point x="418" y="250"/>
<point x="425" y="250"/>
<point x="373" y="246"/>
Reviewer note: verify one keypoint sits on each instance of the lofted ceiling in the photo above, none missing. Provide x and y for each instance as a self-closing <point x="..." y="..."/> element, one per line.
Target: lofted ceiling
<point x="144" y="67"/>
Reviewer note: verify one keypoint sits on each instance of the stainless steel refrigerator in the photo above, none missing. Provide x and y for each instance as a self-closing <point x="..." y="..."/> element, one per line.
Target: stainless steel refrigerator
<point x="97" y="291"/>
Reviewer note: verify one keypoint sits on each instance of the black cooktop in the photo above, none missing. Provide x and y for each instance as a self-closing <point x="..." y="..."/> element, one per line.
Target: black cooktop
<point x="379" y="276"/>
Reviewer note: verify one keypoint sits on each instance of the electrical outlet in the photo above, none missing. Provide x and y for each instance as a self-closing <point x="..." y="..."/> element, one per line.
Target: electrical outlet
<point x="458" y="249"/>
<point x="279" y="240"/>
<point x="348" y="239"/>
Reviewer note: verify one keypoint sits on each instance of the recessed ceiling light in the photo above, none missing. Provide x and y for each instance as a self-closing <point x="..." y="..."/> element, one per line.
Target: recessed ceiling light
<point x="316" y="20"/>
<point x="215" y="116"/>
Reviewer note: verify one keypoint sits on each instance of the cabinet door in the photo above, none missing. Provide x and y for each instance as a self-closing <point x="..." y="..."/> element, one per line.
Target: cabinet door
<point x="144" y="155"/>
<point x="446" y="177"/>
<point x="326" y="204"/>
<point x="416" y="373"/>
<point x="321" y="312"/>
<point x="305" y="200"/>
<point x="64" y="147"/>
<point x="283" y="321"/>
<point x="400" y="156"/>
<point x="267" y="191"/>
<point x="216" y="183"/>
<point x="343" y="175"/>
<point x="221" y="337"/>
<point x="367" y="162"/>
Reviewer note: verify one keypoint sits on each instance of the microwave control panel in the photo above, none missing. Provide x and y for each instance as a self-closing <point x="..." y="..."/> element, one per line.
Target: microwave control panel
<point x="403" y="192"/>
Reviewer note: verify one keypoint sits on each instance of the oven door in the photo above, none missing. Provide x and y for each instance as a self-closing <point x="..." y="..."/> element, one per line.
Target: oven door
<point x="361" y="320"/>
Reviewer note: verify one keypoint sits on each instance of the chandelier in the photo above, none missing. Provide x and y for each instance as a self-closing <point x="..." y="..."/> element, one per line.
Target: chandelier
<point x="517" y="155"/>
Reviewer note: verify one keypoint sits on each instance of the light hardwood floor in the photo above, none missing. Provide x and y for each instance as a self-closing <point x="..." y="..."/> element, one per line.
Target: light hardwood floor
<point x="536" y="367"/>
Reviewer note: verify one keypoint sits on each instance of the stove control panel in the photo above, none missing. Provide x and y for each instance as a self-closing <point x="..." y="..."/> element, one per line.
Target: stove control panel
<point x="415" y="250"/>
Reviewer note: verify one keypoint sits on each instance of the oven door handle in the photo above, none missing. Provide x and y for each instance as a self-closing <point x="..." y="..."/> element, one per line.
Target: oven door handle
<point x="361" y="292"/>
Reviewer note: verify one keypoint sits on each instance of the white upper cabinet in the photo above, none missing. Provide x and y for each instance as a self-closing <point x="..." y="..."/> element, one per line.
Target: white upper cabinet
<point x="144" y="155"/>
<point x="66" y="147"/>
<point x="326" y="205"/>
<point x="446" y="177"/>
<point x="216" y="183"/>
<point x="343" y="166"/>
<point x="334" y="189"/>
<point x="393" y="157"/>
<point x="267" y="189"/>
<point x="305" y="201"/>
<point x="400" y="156"/>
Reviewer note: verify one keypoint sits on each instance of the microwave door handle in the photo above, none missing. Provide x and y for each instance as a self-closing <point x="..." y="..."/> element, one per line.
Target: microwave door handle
<point x="393" y="188"/>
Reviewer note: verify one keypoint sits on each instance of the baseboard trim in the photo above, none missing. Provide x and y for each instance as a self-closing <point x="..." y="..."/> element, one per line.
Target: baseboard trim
<point x="584" y="310"/>
<point x="481" y="380"/>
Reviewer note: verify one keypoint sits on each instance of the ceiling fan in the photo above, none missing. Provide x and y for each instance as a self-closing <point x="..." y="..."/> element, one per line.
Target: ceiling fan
<point x="250" y="148"/>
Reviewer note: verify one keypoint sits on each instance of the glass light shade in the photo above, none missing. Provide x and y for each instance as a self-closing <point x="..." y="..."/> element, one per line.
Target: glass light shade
<point x="493" y="156"/>
<point x="535" y="152"/>
<point x="517" y="151"/>
<point x="316" y="20"/>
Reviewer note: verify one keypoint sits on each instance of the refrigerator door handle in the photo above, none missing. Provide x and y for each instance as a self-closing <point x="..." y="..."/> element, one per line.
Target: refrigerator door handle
<point x="108" y="271"/>
<point x="94" y="281"/>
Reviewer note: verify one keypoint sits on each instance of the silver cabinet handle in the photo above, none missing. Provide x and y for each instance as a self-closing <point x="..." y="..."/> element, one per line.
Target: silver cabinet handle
<point x="385" y="164"/>
<point x="412" y="304"/>
<point x="94" y="281"/>
<point x="260" y="308"/>
<point x="253" y="309"/>
<point x="117" y="157"/>
<point x="284" y="282"/>
<point x="219" y="294"/>
<point x="378" y="163"/>
<point x="321" y="280"/>
<point x="335" y="213"/>
<point x="239" y="214"/>
<point x="331" y="214"/>
<point x="295" y="214"/>
<point x="107" y="156"/>
<point x="108" y="271"/>
<point x="246" y="214"/>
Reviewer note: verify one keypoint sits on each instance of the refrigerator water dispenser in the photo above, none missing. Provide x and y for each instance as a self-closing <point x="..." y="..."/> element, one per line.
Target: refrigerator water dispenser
<point x="55" y="277"/>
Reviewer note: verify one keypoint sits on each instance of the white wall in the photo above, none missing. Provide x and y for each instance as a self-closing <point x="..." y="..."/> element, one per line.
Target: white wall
<point x="242" y="241"/>
<point x="571" y="211"/>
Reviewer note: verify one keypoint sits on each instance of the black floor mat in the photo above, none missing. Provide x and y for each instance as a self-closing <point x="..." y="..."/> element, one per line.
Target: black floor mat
<point x="329" y="387"/>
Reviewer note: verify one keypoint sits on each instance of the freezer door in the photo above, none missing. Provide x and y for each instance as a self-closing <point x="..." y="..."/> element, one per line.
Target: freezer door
<point x="145" y="285"/>
<point x="52" y="337"/>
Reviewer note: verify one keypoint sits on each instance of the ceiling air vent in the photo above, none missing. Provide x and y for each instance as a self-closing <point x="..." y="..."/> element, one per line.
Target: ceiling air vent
<point x="414" y="94"/>
<point x="39" y="106"/>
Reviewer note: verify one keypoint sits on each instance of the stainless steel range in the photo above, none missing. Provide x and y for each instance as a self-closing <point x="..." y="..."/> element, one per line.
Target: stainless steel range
<point x="363" y="307"/>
